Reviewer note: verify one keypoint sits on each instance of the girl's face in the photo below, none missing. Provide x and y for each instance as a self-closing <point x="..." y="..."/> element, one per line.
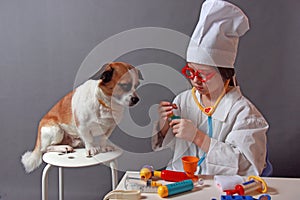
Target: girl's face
<point x="206" y="79"/>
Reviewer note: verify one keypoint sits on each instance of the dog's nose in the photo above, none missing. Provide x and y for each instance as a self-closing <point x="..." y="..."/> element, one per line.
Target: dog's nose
<point x="134" y="100"/>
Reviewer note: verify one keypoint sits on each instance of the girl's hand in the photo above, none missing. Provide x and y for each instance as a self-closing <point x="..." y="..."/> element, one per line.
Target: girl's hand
<point x="164" y="110"/>
<point x="184" y="129"/>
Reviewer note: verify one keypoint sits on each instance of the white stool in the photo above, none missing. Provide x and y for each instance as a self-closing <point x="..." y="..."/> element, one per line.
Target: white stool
<point x="77" y="158"/>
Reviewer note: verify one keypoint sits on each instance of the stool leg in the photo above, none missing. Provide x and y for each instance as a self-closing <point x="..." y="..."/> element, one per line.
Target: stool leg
<point x="61" y="183"/>
<point x="45" y="182"/>
<point x="114" y="174"/>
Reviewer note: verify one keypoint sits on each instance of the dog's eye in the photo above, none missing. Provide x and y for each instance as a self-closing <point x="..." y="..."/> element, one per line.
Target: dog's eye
<point x="126" y="86"/>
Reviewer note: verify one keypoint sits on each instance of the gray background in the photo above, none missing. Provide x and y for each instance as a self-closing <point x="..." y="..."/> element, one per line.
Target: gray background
<point x="43" y="43"/>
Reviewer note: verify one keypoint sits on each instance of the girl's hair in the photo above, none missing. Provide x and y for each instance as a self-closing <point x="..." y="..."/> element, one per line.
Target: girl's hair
<point x="228" y="73"/>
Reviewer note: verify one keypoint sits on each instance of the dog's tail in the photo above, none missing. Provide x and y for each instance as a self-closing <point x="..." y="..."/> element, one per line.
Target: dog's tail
<point x="33" y="159"/>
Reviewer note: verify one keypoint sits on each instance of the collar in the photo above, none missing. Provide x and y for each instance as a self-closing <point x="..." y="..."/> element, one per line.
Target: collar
<point x="103" y="104"/>
<point x="101" y="97"/>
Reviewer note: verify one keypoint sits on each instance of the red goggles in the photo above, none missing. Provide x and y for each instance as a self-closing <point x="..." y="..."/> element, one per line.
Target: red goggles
<point x="202" y="75"/>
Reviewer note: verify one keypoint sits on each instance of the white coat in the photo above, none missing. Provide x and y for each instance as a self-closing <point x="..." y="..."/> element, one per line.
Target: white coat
<point x="238" y="143"/>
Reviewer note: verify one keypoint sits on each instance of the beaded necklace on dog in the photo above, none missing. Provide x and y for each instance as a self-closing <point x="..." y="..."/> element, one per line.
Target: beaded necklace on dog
<point x="209" y="111"/>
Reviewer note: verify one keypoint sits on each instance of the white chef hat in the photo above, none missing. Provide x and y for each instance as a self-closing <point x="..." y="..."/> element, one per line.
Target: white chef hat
<point x="216" y="36"/>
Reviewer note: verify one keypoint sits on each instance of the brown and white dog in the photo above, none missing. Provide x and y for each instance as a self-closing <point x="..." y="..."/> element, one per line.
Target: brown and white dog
<point x="86" y="116"/>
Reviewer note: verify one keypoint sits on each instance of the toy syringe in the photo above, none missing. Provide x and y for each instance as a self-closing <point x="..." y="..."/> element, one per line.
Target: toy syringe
<point x="148" y="186"/>
<point x="146" y="173"/>
<point x="161" y="190"/>
<point x="175" y="188"/>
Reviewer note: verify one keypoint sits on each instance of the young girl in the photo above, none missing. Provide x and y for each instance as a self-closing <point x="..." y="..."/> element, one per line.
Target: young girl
<point x="217" y="123"/>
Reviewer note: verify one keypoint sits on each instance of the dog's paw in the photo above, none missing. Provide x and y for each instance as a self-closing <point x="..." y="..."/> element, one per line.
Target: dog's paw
<point x="60" y="148"/>
<point x="93" y="151"/>
<point x="107" y="148"/>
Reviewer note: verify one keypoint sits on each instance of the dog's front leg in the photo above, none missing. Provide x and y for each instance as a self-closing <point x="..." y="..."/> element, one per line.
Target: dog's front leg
<point x="88" y="139"/>
<point x="104" y="145"/>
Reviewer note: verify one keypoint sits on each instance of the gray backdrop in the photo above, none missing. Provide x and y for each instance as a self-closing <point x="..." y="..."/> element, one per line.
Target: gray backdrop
<point x="43" y="43"/>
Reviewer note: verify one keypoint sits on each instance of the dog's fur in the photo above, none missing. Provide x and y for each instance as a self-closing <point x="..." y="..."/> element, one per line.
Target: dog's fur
<point x="86" y="116"/>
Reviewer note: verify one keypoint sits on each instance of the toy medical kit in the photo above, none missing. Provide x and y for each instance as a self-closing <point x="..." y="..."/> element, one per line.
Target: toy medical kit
<point x="201" y="75"/>
<point x="146" y="172"/>
<point x="123" y="194"/>
<point x="254" y="183"/>
<point x="142" y="188"/>
<point x="172" y="176"/>
<point x="133" y="183"/>
<point x="227" y="182"/>
<point x="175" y="188"/>
<point x="238" y="197"/>
<point x="142" y="182"/>
<point x="172" y="116"/>
<point x="200" y="181"/>
<point x="174" y="106"/>
<point x="264" y="197"/>
<point x="190" y="164"/>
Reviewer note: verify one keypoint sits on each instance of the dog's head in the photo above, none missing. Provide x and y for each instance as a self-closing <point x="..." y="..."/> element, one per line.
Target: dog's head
<point x="119" y="80"/>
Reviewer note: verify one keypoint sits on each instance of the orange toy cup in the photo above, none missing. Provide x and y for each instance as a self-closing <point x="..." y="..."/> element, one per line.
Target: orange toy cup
<point x="190" y="165"/>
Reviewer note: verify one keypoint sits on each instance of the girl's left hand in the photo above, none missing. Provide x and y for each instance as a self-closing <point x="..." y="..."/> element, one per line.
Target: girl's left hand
<point x="184" y="129"/>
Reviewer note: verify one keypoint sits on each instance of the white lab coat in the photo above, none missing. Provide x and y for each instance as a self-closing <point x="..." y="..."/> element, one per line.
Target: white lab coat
<point x="238" y="143"/>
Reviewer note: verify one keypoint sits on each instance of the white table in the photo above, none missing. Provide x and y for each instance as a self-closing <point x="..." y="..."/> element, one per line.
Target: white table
<point x="278" y="189"/>
<point x="74" y="159"/>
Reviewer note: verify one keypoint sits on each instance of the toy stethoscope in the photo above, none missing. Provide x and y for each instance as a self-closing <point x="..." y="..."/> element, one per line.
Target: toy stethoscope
<point x="209" y="111"/>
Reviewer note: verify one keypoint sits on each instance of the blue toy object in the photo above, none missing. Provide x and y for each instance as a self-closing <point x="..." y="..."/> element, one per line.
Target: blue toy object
<point x="239" y="197"/>
<point x="236" y="197"/>
<point x="175" y="188"/>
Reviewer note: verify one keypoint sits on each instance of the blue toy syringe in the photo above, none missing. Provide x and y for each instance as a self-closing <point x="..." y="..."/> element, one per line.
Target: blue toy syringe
<point x="175" y="188"/>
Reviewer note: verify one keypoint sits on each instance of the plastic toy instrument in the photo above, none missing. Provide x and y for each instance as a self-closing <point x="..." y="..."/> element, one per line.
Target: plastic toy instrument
<point x="172" y="116"/>
<point x="254" y="183"/>
<point x="172" y="176"/>
<point x="167" y="175"/>
<point x="175" y="188"/>
<point x="149" y="186"/>
<point x="238" y="197"/>
<point x="190" y="164"/>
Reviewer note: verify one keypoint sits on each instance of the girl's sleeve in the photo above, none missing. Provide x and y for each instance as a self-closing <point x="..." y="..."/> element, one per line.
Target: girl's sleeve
<point x="158" y="141"/>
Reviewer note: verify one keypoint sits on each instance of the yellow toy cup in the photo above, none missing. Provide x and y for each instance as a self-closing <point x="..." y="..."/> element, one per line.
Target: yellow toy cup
<point x="190" y="165"/>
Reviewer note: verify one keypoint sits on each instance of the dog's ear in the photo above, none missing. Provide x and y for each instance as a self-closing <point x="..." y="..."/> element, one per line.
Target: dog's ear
<point x="105" y="74"/>
<point x="138" y="71"/>
<point x="99" y="73"/>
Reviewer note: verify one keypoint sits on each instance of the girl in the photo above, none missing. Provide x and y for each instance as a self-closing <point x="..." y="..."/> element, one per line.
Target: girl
<point x="217" y="123"/>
